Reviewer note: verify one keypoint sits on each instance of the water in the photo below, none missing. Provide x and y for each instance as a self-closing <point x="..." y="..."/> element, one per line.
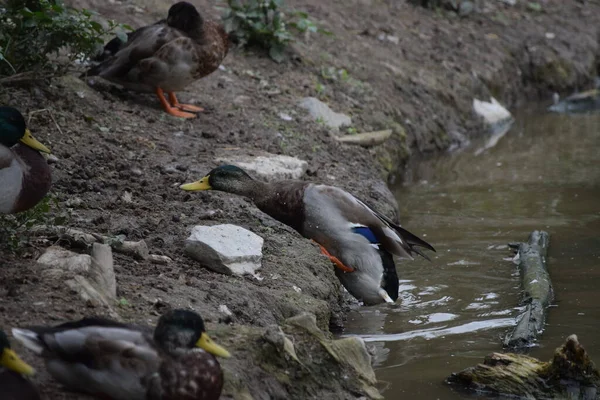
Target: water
<point x="543" y="174"/>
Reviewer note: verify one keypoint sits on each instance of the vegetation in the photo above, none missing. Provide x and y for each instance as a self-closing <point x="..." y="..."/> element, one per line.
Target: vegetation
<point x="31" y="30"/>
<point x="15" y="229"/>
<point x="263" y="23"/>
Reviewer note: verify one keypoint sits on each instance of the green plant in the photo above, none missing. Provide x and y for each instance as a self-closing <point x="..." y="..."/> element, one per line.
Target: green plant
<point x="31" y="30"/>
<point x="262" y="23"/>
<point x="333" y="74"/>
<point x="15" y="229"/>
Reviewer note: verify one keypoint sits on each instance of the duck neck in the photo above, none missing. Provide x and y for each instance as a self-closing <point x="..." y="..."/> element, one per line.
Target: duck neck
<point x="250" y="188"/>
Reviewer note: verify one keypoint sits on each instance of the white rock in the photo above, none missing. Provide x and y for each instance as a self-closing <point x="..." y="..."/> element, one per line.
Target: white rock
<point x="269" y="166"/>
<point x="228" y="249"/>
<point x="225" y="310"/>
<point x="321" y="111"/>
<point x="285" y="116"/>
<point x="492" y="112"/>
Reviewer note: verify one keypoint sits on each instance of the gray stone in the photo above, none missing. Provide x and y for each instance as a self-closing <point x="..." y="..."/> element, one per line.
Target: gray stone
<point x="227" y="249"/>
<point x="321" y="111"/>
<point x="465" y="8"/>
<point x="269" y="166"/>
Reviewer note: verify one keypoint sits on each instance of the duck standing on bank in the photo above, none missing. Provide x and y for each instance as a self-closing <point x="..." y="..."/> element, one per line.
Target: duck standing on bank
<point x="116" y="361"/>
<point x="13" y="372"/>
<point x="166" y="56"/>
<point x="25" y="176"/>
<point x="359" y="241"/>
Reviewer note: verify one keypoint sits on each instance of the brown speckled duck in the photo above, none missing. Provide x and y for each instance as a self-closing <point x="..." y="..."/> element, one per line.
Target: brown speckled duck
<point x="14" y="384"/>
<point x="116" y="361"/>
<point x="359" y="241"/>
<point x="166" y="57"/>
<point x="25" y="176"/>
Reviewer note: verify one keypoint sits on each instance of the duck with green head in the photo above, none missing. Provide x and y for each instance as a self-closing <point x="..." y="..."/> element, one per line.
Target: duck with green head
<point x="25" y="176"/>
<point x="14" y="384"/>
<point x="359" y="241"/>
<point x="116" y="361"/>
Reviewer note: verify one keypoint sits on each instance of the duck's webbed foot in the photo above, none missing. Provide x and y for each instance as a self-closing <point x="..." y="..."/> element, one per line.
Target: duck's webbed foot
<point x="169" y="108"/>
<point x="184" y="107"/>
<point x="336" y="261"/>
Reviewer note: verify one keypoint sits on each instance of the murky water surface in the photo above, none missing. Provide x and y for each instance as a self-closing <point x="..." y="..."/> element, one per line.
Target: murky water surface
<point x="543" y="174"/>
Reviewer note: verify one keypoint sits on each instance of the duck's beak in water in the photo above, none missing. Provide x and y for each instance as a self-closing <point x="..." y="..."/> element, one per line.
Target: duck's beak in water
<point x="384" y="295"/>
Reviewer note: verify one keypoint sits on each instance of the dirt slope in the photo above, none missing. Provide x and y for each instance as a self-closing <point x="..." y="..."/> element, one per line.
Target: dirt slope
<point x="410" y="69"/>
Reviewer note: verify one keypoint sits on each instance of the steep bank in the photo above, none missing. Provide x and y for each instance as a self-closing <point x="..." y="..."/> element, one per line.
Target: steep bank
<point x="113" y="142"/>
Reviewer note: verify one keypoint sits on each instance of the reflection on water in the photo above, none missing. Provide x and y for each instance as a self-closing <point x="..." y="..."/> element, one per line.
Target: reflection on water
<point x="543" y="174"/>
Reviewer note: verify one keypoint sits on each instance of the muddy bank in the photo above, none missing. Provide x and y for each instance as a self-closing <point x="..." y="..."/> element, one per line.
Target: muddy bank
<point x="112" y="141"/>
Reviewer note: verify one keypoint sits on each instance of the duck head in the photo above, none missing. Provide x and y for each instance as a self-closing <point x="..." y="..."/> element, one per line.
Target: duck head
<point x="13" y="130"/>
<point x="181" y="330"/>
<point x="226" y="178"/>
<point x="185" y="17"/>
<point x="10" y="360"/>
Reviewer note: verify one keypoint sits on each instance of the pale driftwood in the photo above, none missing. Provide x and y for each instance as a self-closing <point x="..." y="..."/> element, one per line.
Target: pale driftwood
<point x="158" y="259"/>
<point x="102" y="271"/>
<point x="89" y="293"/>
<point x="570" y="374"/>
<point x="367" y="139"/>
<point x="138" y="250"/>
<point x="77" y="238"/>
<point x="537" y="290"/>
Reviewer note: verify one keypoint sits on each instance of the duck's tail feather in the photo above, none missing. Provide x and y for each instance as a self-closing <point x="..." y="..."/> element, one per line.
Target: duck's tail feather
<point x="29" y="339"/>
<point x="413" y="241"/>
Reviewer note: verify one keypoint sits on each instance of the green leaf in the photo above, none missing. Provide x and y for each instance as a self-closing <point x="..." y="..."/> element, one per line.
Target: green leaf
<point x="533" y="6"/>
<point x="277" y="53"/>
<point x="122" y="36"/>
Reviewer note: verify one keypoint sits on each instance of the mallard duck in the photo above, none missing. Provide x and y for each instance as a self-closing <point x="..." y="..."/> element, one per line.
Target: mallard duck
<point x="25" y="176"/>
<point x="167" y="57"/>
<point x="359" y="241"/>
<point x="123" y="362"/>
<point x="13" y="372"/>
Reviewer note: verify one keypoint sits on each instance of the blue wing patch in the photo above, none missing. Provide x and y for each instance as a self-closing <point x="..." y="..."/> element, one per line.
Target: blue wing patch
<point x="366" y="233"/>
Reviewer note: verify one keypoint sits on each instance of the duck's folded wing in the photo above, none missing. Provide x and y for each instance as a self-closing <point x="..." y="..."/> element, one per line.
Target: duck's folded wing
<point x="375" y="227"/>
<point x="410" y="241"/>
<point x="142" y="44"/>
<point x="89" y="341"/>
<point x="116" y="44"/>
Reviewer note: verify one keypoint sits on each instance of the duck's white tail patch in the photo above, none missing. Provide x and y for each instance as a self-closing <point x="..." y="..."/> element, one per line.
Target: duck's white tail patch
<point x="385" y="296"/>
<point x="29" y="339"/>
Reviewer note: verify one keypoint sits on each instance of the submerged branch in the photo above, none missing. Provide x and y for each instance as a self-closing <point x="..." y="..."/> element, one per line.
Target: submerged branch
<point x="537" y="288"/>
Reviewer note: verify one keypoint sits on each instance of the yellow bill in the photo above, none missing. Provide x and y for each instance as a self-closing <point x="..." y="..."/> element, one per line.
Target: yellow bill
<point x="12" y="361"/>
<point x="206" y="343"/>
<point x="32" y="142"/>
<point x="202" y="184"/>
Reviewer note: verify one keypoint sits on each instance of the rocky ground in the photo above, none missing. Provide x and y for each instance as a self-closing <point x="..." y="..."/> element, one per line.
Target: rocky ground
<point x="388" y="65"/>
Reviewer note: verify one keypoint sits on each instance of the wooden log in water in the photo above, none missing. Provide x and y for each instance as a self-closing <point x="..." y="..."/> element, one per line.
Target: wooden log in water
<point x="570" y="374"/>
<point x="537" y="289"/>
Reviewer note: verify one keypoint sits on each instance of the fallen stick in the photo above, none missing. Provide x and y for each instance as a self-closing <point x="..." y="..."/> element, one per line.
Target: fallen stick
<point x="537" y="289"/>
<point x="75" y="237"/>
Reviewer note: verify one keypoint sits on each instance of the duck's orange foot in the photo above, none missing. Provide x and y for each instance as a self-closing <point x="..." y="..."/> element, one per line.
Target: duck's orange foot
<point x="336" y="261"/>
<point x="184" y="107"/>
<point x="176" y="112"/>
<point x="189" y="107"/>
